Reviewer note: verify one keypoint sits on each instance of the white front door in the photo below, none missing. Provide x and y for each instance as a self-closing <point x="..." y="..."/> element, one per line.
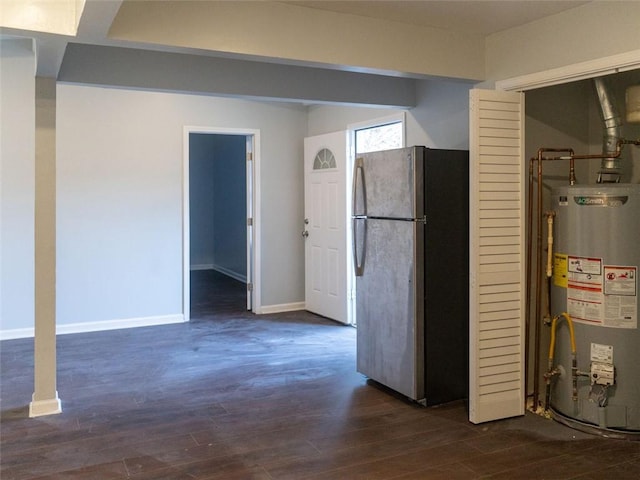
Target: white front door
<point x="325" y="227"/>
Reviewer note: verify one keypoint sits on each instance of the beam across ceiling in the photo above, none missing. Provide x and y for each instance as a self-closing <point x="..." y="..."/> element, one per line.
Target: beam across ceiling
<point x="167" y="71"/>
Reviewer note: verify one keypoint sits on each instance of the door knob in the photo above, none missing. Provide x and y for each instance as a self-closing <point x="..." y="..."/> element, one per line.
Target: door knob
<point x="305" y="233"/>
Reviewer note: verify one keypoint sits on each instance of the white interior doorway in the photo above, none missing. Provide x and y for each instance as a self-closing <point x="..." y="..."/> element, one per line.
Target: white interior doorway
<point x="243" y="229"/>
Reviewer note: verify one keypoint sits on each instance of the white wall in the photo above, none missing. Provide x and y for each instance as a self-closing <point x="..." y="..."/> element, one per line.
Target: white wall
<point x="589" y="32"/>
<point x="440" y="119"/>
<point x="300" y="34"/>
<point x="332" y="118"/>
<point x="17" y="185"/>
<point x="120" y="198"/>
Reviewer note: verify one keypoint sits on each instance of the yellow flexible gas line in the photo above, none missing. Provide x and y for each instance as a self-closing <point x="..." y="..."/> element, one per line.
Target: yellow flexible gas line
<point x="572" y="335"/>
<point x="552" y="341"/>
<point x="552" y="347"/>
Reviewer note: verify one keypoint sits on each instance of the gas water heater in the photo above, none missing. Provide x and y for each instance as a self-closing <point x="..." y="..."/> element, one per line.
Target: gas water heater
<point x="595" y="282"/>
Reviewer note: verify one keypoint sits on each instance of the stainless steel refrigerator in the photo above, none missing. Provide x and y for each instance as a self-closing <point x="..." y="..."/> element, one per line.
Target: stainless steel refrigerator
<point x="410" y="251"/>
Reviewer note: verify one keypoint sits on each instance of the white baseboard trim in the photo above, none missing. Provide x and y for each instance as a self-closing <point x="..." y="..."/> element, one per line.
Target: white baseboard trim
<point x="202" y="266"/>
<point x="85" y="327"/>
<point x="16" y="333"/>
<point x="223" y="270"/>
<point x="118" y="324"/>
<point x="283" y="307"/>
<point x="39" y="408"/>
<point x="231" y="273"/>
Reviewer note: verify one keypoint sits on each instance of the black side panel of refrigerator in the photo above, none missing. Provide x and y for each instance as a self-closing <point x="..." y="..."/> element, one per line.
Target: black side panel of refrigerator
<point x="446" y="309"/>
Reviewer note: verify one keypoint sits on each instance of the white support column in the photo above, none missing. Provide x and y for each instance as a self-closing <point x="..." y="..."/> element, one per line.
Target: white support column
<point x="45" y="396"/>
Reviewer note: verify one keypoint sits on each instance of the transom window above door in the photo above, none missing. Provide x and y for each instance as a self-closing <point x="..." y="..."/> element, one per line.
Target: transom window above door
<point x="380" y="137"/>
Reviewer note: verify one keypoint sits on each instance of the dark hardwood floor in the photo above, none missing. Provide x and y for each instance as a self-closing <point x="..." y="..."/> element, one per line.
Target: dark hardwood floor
<point x="235" y="396"/>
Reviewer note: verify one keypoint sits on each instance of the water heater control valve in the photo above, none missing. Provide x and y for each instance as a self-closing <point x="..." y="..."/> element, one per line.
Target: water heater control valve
<point x="602" y="374"/>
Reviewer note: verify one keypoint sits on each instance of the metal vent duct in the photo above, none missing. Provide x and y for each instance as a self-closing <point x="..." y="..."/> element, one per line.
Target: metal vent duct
<point x="612" y="124"/>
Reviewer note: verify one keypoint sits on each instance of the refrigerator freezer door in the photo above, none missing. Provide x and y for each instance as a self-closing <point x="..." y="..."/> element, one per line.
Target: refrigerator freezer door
<point x="390" y="184"/>
<point x="389" y="307"/>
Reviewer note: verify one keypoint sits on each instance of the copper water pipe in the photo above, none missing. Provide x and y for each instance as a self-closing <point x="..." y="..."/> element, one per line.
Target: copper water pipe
<point x="539" y="159"/>
<point x="536" y="326"/>
<point x="527" y="317"/>
<point x="618" y="152"/>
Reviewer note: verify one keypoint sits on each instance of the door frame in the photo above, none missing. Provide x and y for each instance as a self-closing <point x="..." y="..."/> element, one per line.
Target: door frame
<point x="572" y="73"/>
<point x="400" y="117"/>
<point x="253" y="211"/>
<point x="556" y="76"/>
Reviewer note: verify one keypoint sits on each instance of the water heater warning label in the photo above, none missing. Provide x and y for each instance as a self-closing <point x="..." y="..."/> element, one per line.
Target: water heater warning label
<point x="620" y="281"/>
<point x="560" y="269"/>
<point x="585" y="299"/>
<point x="603" y="295"/>
<point x="602" y="353"/>
<point x="621" y="296"/>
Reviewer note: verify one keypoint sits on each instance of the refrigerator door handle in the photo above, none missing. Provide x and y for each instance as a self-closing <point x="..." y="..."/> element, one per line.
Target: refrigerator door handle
<point x="359" y="255"/>
<point x="358" y="174"/>
<point x="359" y="217"/>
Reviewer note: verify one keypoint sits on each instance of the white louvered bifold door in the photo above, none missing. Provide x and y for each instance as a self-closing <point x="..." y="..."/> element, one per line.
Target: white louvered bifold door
<point x="497" y="259"/>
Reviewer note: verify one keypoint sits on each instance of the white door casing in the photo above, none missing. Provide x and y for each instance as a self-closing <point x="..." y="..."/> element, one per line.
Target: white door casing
<point x="497" y="256"/>
<point x="250" y="139"/>
<point x="325" y="229"/>
<point x="253" y="211"/>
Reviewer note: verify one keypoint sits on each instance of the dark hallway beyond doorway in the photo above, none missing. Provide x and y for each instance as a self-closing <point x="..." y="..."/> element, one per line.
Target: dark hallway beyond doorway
<point x="214" y="294"/>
